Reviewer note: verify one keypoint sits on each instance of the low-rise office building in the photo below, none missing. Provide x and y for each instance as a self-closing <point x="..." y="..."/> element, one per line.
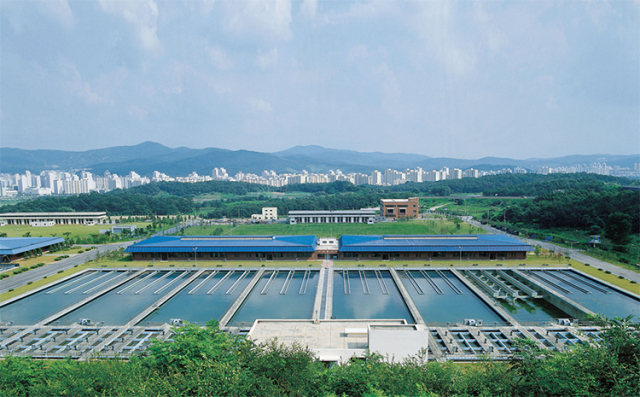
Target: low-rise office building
<point x="225" y="248"/>
<point x="58" y="218"/>
<point x="118" y="229"/>
<point x="400" y="208"/>
<point x="268" y="213"/>
<point x="348" y="216"/>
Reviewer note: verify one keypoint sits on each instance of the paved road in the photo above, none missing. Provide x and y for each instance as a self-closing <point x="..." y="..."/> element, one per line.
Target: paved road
<point x="78" y="259"/>
<point x="574" y="254"/>
<point x="53" y="268"/>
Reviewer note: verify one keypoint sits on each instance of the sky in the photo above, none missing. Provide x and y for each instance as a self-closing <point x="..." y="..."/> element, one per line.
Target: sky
<point x="461" y="79"/>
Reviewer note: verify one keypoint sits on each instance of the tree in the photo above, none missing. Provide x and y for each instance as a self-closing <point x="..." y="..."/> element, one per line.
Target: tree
<point x="537" y="250"/>
<point x="618" y="228"/>
<point x="27" y="234"/>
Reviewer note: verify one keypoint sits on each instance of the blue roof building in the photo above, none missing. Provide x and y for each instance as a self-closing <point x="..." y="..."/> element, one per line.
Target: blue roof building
<point x="414" y="247"/>
<point x="12" y="248"/>
<point x="225" y="247"/>
<point x="432" y="247"/>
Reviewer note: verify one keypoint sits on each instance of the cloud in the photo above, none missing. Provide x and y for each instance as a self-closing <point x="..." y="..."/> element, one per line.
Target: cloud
<point x="219" y="58"/>
<point x="359" y="52"/>
<point x="143" y="15"/>
<point x="135" y="111"/>
<point x="207" y="6"/>
<point x="308" y="8"/>
<point x="268" y="60"/>
<point x="260" y="105"/>
<point x="60" y="10"/>
<point x="74" y="84"/>
<point x="435" y="24"/>
<point x="391" y="92"/>
<point x="268" y="19"/>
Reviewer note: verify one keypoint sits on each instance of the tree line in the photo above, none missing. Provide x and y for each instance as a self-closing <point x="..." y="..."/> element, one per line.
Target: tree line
<point x="171" y="198"/>
<point x="118" y="202"/>
<point x="208" y="362"/>
<point x="613" y="211"/>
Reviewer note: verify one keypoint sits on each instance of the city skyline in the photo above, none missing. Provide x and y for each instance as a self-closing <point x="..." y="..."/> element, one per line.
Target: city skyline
<point x="441" y="79"/>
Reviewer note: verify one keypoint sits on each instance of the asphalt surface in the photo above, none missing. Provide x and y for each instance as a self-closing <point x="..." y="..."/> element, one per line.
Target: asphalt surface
<point x="574" y="254"/>
<point x="53" y="268"/>
<point x="77" y="259"/>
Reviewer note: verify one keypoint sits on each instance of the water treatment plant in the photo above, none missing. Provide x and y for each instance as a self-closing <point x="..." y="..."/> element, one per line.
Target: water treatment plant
<point x="457" y="314"/>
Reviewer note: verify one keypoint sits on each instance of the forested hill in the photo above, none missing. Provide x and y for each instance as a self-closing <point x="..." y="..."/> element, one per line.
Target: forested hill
<point x="501" y="185"/>
<point x="174" y="197"/>
<point x="114" y="203"/>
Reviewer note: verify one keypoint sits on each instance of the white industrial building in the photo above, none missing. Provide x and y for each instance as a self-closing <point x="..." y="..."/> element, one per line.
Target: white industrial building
<point x="58" y="218"/>
<point x="349" y="216"/>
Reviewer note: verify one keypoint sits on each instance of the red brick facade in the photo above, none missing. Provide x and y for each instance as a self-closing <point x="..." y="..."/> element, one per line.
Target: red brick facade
<point x="400" y="208"/>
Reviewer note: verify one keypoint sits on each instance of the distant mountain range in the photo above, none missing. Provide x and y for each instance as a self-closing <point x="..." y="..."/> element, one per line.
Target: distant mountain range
<point x="150" y="156"/>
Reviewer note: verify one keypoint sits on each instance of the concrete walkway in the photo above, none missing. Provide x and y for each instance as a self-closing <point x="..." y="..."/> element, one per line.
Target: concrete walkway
<point x="574" y="254"/>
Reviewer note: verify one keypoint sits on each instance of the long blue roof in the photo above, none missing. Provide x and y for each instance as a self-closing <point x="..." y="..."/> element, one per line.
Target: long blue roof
<point x="433" y="243"/>
<point x="226" y="244"/>
<point x="18" y="245"/>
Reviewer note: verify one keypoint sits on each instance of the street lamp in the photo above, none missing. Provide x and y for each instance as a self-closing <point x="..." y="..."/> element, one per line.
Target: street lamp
<point x="195" y="254"/>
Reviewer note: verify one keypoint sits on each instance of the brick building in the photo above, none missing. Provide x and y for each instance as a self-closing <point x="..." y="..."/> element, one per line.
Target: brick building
<point x="400" y="208"/>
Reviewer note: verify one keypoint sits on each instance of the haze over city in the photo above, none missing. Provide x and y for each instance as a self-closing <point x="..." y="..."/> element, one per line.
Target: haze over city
<point x="443" y="79"/>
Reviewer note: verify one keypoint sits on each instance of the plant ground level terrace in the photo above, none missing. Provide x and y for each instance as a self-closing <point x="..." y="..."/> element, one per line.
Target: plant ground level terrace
<point x="349" y="247"/>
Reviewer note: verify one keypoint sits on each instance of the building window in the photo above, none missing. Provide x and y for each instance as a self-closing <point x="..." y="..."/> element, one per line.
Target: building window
<point x="403" y="211"/>
<point x="390" y="211"/>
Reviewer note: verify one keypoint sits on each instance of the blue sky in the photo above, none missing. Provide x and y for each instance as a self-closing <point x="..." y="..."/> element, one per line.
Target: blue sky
<point x="516" y="79"/>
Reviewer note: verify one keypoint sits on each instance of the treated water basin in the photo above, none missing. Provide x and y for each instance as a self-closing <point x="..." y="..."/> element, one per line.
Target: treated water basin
<point x="533" y="310"/>
<point x="367" y="294"/>
<point x="589" y="293"/>
<point x="442" y="300"/>
<point x="280" y="294"/>
<point x="36" y="307"/>
<point x="204" y="299"/>
<point x="121" y="305"/>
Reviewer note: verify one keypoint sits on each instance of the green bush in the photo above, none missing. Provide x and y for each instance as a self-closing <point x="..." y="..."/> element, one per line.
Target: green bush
<point x="208" y="362"/>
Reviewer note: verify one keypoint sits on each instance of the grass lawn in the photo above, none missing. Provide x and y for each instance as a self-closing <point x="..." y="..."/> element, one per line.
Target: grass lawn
<point x="58" y="230"/>
<point x="428" y="226"/>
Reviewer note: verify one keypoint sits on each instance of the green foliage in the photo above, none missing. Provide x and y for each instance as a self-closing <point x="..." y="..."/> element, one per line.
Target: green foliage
<point x="611" y="369"/>
<point x="618" y="227"/>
